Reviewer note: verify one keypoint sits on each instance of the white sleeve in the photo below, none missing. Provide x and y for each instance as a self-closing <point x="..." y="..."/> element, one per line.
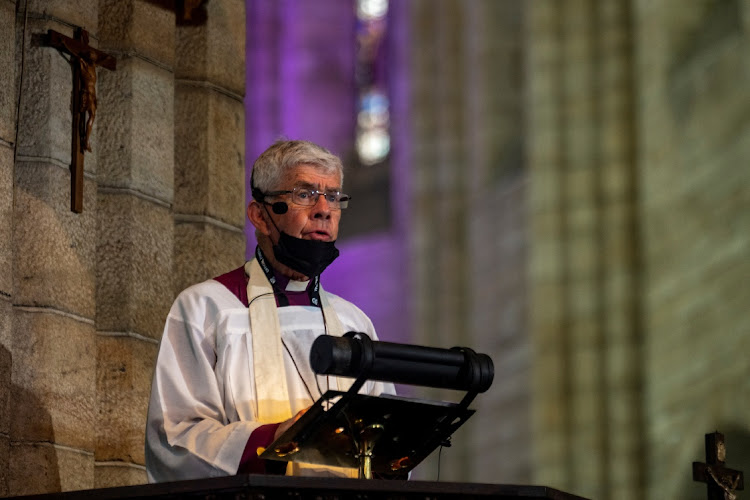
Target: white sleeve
<point x="187" y="433"/>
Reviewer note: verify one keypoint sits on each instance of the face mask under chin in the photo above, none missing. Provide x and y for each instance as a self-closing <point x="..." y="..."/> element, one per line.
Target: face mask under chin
<point x="309" y="257"/>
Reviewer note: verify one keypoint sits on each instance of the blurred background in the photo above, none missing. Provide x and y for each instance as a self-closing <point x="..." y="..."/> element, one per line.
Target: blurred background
<point x="562" y="184"/>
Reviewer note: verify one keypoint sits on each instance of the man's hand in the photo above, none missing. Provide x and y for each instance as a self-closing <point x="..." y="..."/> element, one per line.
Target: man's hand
<point x="286" y="424"/>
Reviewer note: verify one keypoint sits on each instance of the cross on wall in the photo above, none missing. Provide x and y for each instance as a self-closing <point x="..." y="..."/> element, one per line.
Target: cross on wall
<point x="84" y="59"/>
<point x="721" y="482"/>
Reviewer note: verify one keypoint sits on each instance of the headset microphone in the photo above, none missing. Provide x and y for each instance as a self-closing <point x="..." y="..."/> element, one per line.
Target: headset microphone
<point x="279" y="208"/>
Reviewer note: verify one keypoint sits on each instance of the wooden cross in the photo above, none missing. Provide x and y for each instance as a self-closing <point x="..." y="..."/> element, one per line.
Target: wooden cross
<point x="720" y="481"/>
<point x="84" y="60"/>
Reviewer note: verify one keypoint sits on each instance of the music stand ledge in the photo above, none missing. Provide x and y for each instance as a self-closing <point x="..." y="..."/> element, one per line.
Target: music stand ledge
<point x="386" y="435"/>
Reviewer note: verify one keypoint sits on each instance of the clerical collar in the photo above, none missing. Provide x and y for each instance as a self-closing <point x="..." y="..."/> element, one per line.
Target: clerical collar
<point x="285" y="287"/>
<point x="289" y="285"/>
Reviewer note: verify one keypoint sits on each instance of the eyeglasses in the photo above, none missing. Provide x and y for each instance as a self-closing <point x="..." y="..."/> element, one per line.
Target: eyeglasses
<point x="309" y="197"/>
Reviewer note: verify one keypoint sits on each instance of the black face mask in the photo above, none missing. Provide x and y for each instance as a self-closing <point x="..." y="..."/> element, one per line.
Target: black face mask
<point x="309" y="257"/>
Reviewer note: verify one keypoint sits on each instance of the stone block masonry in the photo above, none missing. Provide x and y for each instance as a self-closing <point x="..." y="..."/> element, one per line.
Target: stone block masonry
<point x="83" y="297"/>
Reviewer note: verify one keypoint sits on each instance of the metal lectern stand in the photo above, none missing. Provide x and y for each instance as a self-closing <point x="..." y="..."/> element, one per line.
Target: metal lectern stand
<point x="386" y="435"/>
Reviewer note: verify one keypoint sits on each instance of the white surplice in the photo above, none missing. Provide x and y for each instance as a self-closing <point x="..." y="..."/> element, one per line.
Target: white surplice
<point x="204" y="403"/>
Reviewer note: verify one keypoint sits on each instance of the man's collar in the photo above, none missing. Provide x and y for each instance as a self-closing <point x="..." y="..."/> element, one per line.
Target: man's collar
<point x="289" y="285"/>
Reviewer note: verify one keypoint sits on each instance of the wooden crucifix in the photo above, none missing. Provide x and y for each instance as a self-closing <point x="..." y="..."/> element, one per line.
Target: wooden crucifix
<point x="720" y="481"/>
<point x="84" y="59"/>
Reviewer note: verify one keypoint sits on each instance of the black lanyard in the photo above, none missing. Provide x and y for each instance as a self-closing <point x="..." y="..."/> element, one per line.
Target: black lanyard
<point x="312" y="291"/>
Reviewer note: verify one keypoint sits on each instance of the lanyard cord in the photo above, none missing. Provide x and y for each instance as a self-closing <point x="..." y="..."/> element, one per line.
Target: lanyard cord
<point x="312" y="398"/>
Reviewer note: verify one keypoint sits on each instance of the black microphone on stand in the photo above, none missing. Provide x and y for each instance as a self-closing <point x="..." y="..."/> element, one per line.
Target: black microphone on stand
<point x="459" y="368"/>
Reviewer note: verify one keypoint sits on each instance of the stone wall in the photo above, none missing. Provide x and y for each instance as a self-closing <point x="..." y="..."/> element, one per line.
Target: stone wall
<point x="84" y="296"/>
<point x="468" y="228"/>
<point x="639" y="137"/>
<point x="584" y="272"/>
<point x="134" y="226"/>
<point x="52" y="340"/>
<point x="209" y="176"/>
<point x="694" y="166"/>
<point x="7" y="140"/>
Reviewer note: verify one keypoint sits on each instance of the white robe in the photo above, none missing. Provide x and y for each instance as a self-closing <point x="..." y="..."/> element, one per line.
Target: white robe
<point x="203" y="404"/>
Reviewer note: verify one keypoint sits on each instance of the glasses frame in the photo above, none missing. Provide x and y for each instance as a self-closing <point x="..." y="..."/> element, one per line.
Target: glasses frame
<point x="340" y="204"/>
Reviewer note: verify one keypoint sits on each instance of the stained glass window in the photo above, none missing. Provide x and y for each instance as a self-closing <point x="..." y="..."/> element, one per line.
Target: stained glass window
<point x="373" y="141"/>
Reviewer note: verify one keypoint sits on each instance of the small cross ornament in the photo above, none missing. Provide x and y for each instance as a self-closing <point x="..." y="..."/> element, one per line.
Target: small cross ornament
<point x="721" y="481"/>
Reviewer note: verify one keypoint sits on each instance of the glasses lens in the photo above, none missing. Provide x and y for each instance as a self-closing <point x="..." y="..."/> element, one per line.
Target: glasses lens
<point x="302" y="197"/>
<point x="337" y="200"/>
<point x="309" y="197"/>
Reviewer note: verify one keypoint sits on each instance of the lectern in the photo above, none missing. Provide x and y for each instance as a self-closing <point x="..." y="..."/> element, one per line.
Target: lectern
<point x="382" y="435"/>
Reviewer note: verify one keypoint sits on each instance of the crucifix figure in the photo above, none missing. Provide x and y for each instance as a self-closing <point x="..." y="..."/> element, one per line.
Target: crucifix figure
<point x="84" y="60"/>
<point x="720" y="481"/>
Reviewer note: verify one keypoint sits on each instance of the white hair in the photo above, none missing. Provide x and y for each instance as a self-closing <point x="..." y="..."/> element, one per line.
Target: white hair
<point x="282" y="156"/>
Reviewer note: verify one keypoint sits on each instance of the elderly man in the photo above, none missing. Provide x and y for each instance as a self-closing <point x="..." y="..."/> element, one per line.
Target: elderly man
<point x="233" y="369"/>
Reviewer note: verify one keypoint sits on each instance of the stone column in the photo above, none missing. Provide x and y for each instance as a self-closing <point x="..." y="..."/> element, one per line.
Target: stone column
<point x="584" y="273"/>
<point x="135" y="227"/>
<point x="8" y="99"/>
<point x="468" y="245"/>
<point x="620" y="237"/>
<point x="497" y="188"/>
<point x="51" y="340"/>
<point x="550" y="416"/>
<point x="581" y="253"/>
<point x="439" y="217"/>
<point x="209" y="202"/>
